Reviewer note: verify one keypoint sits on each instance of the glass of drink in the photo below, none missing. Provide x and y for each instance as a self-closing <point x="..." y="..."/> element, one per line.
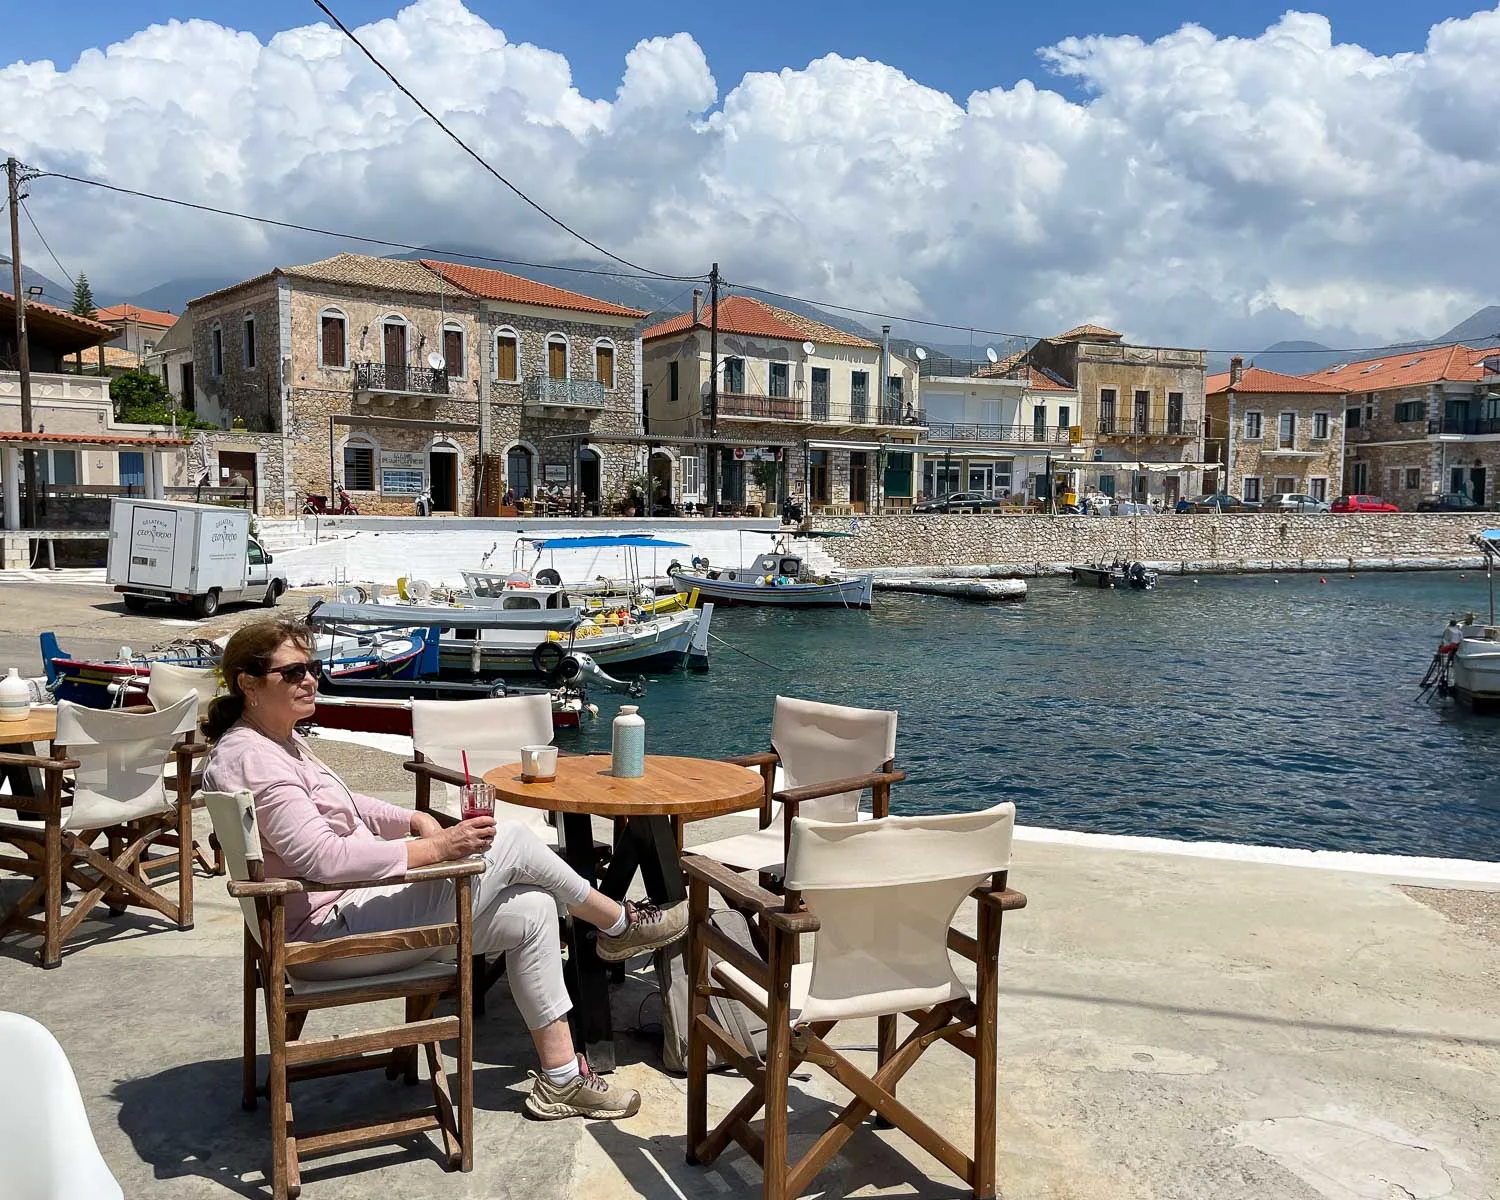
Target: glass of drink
<point x="476" y="800"/>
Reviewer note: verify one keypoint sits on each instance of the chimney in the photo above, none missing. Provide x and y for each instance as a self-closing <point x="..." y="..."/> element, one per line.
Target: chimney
<point x="1236" y="369"/>
<point x="697" y="304"/>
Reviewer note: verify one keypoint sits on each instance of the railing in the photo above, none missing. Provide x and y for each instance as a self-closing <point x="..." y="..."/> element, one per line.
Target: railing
<point x="565" y="393"/>
<point x="959" y="431"/>
<point x="940" y="366"/>
<point x="1185" y="426"/>
<point x="796" y="408"/>
<point x="412" y="381"/>
<point x="1464" y="425"/>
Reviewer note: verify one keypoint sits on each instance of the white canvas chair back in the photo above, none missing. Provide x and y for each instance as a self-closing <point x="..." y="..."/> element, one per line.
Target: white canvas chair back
<point x="170" y="682"/>
<point x="491" y="731"/>
<point x="48" y="1150"/>
<point x="122" y="758"/>
<point x="818" y="743"/>
<point x="233" y="816"/>
<point x="884" y="893"/>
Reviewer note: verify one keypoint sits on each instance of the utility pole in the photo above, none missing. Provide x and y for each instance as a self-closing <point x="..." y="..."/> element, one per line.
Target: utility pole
<point x="23" y="346"/>
<point x="713" y="390"/>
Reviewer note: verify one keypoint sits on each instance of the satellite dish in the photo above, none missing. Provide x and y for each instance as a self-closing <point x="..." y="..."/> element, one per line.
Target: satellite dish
<point x="921" y="354"/>
<point x="989" y="353"/>
<point x="436" y="361"/>
<point x="808" y="348"/>
<point x="419" y="590"/>
<point x="351" y="595"/>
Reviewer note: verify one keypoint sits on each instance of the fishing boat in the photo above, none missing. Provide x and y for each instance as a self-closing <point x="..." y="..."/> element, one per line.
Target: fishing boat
<point x="1135" y="575"/>
<point x="1466" y="666"/>
<point x="779" y="578"/>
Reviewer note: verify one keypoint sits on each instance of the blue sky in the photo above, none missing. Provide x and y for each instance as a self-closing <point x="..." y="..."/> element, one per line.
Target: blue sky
<point x="954" y="47"/>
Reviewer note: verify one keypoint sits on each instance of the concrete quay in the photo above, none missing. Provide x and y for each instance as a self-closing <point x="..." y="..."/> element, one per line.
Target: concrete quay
<point x="1171" y="1026"/>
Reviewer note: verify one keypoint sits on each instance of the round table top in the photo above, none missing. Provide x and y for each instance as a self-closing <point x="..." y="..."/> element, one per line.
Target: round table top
<point x="671" y="787"/>
<point x="40" y="726"/>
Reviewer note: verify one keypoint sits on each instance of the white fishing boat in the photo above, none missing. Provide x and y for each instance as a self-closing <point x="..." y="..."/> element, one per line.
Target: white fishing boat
<point x="779" y="578"/>
<point x="1466" y="666"/>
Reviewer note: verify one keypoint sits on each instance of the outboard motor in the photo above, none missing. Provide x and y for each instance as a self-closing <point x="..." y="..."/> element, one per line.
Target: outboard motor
<point x="580" y="668"/>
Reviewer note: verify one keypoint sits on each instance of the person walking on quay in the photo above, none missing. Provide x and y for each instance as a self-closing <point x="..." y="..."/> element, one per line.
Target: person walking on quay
<point x="314" y="827"/>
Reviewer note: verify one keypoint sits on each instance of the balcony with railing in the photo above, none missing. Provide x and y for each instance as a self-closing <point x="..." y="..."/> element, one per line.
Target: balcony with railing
<point x="818" y="409"/>
<point x="388" y="380"/>
<point x="1021" y="435"/>
<point x="1463" y="426"/>
<point x="1183" y="426"/>
<point x="549" y="394"/>
<point x="941" y="366"/>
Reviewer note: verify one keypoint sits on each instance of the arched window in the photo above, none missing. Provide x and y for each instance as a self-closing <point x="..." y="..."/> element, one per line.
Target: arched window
<point x="360" y="456"/>
<point x="520" y="470"/>
<point x="557" y="356"/>
<point x="395" y="340"/>
<point x="455" y="350"/>
<point x="333" y="338"/>
<point x="507" y="355"/>
<point x="604" y="363"/>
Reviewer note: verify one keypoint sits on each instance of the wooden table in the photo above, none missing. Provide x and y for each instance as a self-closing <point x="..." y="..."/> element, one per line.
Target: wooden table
<point x="672" y="788"/>
<point x="21" y="737"/>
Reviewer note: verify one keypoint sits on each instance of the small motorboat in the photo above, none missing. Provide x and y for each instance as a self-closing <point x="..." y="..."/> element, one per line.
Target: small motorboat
<point x="1117" y="574"/>
<point x="777" y="579"/>
<point x="1466" y="666"/>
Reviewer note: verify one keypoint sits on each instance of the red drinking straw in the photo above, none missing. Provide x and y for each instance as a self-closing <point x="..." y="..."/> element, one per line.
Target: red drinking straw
<point x="468" y="782"/>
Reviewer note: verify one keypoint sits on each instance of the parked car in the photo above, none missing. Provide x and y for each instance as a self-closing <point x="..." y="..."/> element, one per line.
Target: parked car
<point x="1223" y="502"/>
<point x="1357" y="504"/>
<point x="1296" y="502"/>
<point x="1448" y="502"/>
<point x="958" y="502"/>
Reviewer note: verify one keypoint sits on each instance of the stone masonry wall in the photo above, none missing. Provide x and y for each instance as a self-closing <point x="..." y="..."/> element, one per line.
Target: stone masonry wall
<point x="1037" y="544"/>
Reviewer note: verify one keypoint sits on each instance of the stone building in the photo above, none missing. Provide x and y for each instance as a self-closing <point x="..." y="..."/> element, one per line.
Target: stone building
<point x="1421" y="423"/>
<point x="1273" y="434"/>
<point x="393" y="378"/>
<point x="993" y="427"/>
<point x="1140" y="408"/>
<point x="801" y="409"/>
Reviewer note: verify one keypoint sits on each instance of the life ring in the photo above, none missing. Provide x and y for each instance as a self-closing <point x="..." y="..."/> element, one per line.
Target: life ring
<point x="673" y="567"/>
<point x="549" y="577"/>
<point x="547" y="659"/>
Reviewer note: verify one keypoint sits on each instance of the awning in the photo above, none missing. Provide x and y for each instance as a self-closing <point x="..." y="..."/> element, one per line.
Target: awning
<point x="1156" y="468"/>
<point x="897" y="447"/>
<point x="405" y="423"/>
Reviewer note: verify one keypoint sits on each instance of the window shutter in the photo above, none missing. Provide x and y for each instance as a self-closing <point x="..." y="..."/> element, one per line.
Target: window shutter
<point x="333" y="341"/>
<point x="453" y="351"/>
<point x="505" y="357"/>
<point x="604" y="365"/>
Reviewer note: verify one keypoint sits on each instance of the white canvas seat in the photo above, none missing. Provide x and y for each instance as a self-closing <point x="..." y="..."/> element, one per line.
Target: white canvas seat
<point x="117" y="765"/>
<point x="170" y="682"/>
<point x="812" y="744"/>
<point x="420" y="965"/>
<point x="47" y="1151"/>
<point x="492" y="733"/>
<point x="879" y="899"/>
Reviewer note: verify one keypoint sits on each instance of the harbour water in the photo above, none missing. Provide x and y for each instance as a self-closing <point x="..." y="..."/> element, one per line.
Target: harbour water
<point x="1275" y="711"/>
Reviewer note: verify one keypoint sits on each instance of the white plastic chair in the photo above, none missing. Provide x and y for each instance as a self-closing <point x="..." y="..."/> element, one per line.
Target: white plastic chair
<point x="879" y="898"/>
<point x="47" y="1151"/>
<point x="492" y="733"/>
<point x="118" y="763"/>
<point x="812" y="745"/>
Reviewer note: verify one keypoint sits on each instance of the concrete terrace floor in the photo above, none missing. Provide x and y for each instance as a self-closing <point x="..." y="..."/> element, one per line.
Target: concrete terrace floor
<point x="1170" y="1027"/>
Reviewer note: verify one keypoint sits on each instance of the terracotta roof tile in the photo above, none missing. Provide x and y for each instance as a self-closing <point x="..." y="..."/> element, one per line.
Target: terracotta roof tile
<point x="749" y="317"/>
<point x="90" y="439"/>
<point x="131" y="312"/>
<point x="1258" y="381"/>
<point x="1085" y="332"/>
<point x="1455" y="363"/>
<point x="83" y="324"/>
<point x="514" y="289"/>
<point x="365" y="270"/>
<point x="1039" y="380"/>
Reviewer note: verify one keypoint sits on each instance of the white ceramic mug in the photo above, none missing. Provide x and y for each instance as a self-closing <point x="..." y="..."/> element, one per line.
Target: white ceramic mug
<point x="538" y="762"/>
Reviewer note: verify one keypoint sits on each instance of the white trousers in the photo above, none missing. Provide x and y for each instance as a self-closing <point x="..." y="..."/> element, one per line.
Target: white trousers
<point x="515" y="913"/>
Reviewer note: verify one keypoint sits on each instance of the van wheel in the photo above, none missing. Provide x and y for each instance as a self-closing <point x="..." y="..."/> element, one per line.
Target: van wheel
<point x="207" y="604"/>
<point x="135" y="603"/>
<point x="273" y="594"/>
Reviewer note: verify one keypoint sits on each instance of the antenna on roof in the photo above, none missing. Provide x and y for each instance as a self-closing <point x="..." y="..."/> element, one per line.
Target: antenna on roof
<point x="989" y="353"/>
<point x="920" y="353"/>
<point x="808" y="348"/>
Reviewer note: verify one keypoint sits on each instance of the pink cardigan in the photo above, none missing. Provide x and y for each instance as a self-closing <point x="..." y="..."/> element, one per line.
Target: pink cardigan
<point x="311" y="825"/>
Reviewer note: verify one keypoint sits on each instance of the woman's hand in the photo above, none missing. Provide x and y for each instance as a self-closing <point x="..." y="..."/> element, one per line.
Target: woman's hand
<point x="425" y="825"/>
<point x="467" y="838"/>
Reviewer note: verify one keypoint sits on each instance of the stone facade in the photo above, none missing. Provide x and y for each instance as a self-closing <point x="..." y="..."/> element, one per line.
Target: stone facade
<point x="1203" y="541"/>
<point x="1261" y="460"/>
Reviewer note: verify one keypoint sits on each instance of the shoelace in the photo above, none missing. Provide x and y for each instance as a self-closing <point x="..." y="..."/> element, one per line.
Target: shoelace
<point x="645" y="912"/>
<point x="590" y="1080"/>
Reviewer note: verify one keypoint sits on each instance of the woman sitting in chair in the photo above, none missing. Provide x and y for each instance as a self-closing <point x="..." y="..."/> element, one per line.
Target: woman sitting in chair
<point x="313" y="827"/>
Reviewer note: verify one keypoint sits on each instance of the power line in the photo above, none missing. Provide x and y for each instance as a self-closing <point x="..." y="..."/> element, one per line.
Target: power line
<point x="56" y="261"/>
<point x="479" y="158"/>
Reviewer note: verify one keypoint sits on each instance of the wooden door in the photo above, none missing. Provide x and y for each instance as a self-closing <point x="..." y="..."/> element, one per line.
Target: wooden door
<point x="557" y="360"/>
<point x="395" y="356"/>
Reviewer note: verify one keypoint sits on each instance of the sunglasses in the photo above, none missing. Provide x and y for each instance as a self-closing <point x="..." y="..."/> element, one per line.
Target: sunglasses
<point x="295" y="673"/>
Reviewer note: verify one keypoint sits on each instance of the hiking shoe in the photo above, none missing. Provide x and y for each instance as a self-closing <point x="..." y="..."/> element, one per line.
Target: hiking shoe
<point x="586" y="1096"/>
<point x="648" y="928"/>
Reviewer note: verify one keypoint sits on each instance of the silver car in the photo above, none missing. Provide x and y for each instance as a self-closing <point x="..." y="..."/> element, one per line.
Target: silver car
<point x="1295" y="502"/>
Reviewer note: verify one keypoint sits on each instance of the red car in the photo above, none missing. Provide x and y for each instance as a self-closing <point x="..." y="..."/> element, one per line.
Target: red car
<point x="1349" y="504"/>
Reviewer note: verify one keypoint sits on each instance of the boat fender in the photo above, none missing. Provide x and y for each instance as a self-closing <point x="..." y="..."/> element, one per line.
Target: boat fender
<point x="729" y="575"/>
<point x="549" y="577"/>
<point x="673" y="567"/>
<point x="547" y="659"/>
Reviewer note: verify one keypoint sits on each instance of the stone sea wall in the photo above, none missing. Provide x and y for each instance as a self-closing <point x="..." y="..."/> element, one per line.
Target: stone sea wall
<point x="1199" y="541"/>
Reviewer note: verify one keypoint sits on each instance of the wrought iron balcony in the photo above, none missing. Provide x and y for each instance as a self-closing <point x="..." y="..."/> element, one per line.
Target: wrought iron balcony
<point x="1185" y="426"/>
<point x="547" y="392"/>
<point x="1464" y="426"/>
<point x="400" y="381"/>
<point x="764" y="408"/>
<point x="1029" y="435"/>
<point x="820" y="410"/>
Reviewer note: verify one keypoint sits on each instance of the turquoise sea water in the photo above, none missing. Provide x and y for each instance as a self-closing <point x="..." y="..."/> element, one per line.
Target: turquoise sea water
<point x="1250" y="709"/>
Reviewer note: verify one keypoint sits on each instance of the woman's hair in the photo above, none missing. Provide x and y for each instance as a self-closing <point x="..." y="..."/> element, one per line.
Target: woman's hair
<point x="249" y="652"/>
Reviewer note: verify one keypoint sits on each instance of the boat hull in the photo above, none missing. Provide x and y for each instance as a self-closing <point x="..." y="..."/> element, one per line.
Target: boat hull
<point x="1476" y="674"/>
<point x="366" y="713"/>
<point x="654" y="645"/>
<point x="1094" y="577"/>
<point x="746" y="588"/>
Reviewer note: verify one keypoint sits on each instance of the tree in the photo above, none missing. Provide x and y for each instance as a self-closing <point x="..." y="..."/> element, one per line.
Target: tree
<point x="83" y="298"/>
<point x="140" y="398"/>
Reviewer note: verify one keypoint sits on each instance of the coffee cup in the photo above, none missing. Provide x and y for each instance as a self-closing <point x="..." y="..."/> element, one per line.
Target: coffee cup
<point x="538" y="764"/>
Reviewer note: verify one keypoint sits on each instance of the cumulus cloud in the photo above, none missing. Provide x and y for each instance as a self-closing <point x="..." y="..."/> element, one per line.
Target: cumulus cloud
<point x="1203" y="190"/>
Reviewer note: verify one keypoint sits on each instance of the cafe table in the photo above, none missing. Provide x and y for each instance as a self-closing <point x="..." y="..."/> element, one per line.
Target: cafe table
<point x="671" y="790"/>
<point x="26" y="737"/>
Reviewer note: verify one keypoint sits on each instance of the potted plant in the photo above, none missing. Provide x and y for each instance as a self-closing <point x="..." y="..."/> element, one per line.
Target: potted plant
<point x="766" y="473"/>
<point x="638" y="490"/>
